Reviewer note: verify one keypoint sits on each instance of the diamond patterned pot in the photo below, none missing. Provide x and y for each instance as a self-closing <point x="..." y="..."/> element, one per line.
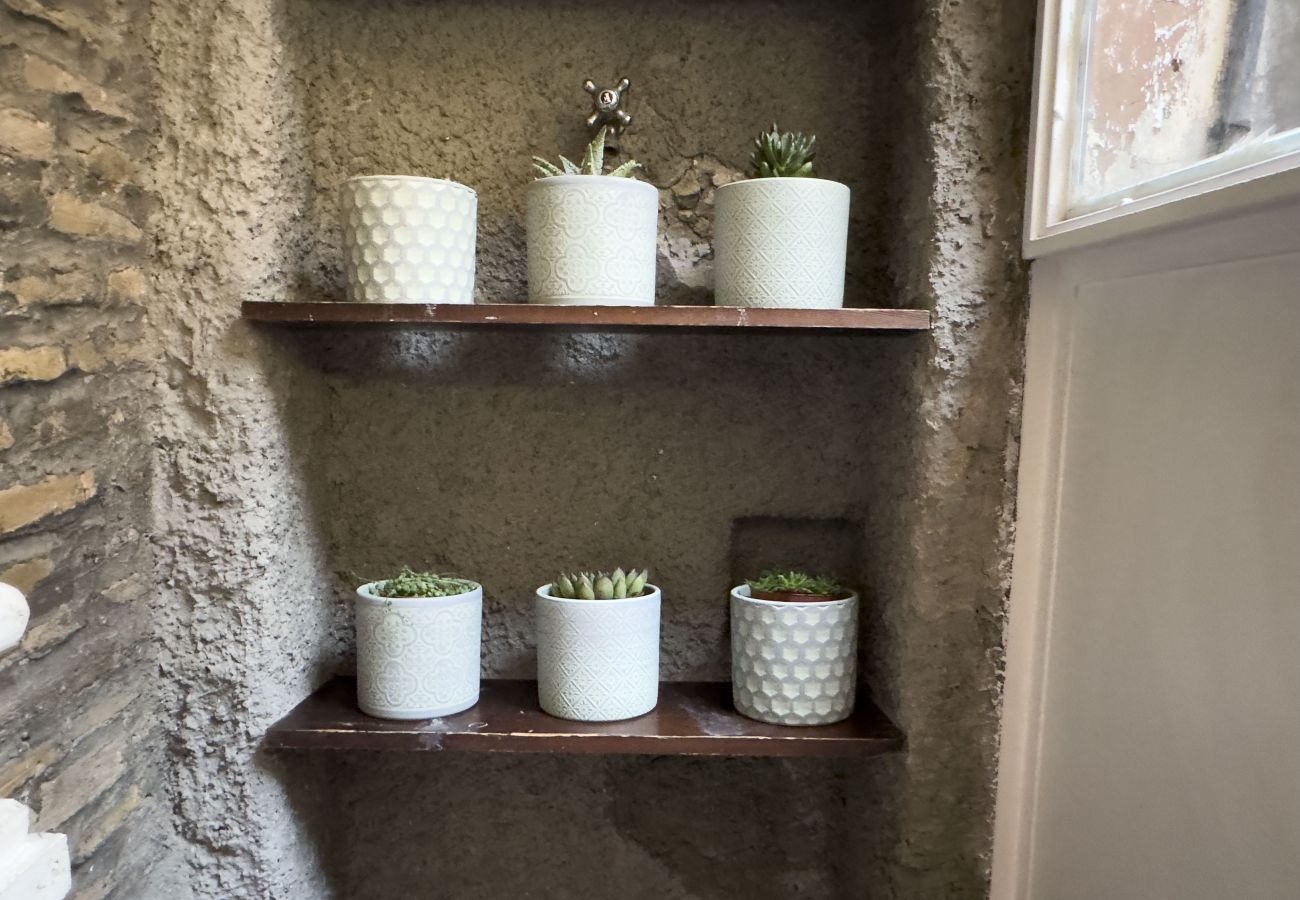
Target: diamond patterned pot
<point x="591" y="240"/>
<point x="408" y="239"/>
<point x="781" y="242"/>
<point x="597" y="660"/>
<point x="793" y="663"/>
<point x="417" y="657"/>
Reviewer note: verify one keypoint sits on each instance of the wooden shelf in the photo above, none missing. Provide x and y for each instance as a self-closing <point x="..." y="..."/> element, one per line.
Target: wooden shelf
<point x="605" y="318"/>
<point x="693" y="718"/>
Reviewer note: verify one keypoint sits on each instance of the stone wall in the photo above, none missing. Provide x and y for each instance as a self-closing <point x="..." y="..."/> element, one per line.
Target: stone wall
<point x="81" y="740"/>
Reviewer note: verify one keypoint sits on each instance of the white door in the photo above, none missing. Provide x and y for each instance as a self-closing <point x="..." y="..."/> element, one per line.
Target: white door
<point x="1151" y="723"/>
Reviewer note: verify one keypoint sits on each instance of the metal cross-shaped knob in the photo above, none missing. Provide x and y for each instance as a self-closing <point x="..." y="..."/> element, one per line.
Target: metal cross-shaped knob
<point x="607" y="102"/>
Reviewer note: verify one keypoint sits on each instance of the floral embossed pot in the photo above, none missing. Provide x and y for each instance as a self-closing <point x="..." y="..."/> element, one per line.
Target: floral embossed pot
<point x="591" y="236"/>
<point x="794" y="655"/>
<point x="418" y="641"/>
<point x="598" y="646"/>
<point x="781" y="237"/>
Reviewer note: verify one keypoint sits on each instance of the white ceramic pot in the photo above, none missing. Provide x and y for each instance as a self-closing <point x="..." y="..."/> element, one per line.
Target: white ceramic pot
<point x="793" y="663"/>
<point x="591" y="240"/>
<point x="780" y="242"/>
<point x="417" y="657"/>
<point x="408" y="239"/>
<point x="597" y="660"/>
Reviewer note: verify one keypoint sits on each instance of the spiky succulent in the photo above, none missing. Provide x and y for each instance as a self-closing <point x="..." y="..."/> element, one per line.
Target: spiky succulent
<point x="410" y="583"/>
<point x="792" y="582"/>
<point x="615" y="585"/>
<point x="593" y="162"/>
<point x="779" y="154"/>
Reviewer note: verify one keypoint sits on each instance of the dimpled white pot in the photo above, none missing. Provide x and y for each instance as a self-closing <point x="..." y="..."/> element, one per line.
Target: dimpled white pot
<point x="793" y="663"/>
<point x="417" y="657"/>
<point x="597" y="660"/>
<point x="408" y="239"/>
<point x="780" y="242"/>
<point x="591" y="240"/>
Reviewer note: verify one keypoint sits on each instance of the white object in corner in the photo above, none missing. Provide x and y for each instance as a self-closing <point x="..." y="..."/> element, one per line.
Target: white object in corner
<point x="14" y="614"/>
<point x="408" y="239"/>
<point x="418" y="657"/>
<point x="591" y="240"/>
<point x="781" y="242"/>
<point x="597" y="660"/>
<point x="32" y="866"/>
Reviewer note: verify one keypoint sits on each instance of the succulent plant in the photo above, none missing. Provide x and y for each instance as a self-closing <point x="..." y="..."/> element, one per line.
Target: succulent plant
<point x="616" y="585"/>
<point x="410" y="583"/>
<point x="793" y="582"/>
<point x="593" y="162"/>
<point x="779" y="154"/>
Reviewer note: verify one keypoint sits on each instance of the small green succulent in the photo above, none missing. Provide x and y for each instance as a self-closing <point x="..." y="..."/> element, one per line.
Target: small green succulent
<point x="410" y="583"/>
<point x="593" y="162"/>
<point x="792" y="582"/>
<point x="616" y="585"/>
<point x="779" y="154"/>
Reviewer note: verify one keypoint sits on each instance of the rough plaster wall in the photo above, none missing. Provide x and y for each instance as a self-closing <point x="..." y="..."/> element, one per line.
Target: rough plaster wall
<point x="80" y="734"/>
<point x="246" y="626"/>
<point x="505" y="455"/>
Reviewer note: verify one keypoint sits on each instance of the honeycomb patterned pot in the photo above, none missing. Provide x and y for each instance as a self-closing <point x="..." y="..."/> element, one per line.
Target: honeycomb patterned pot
<point x="408" y="240"/>
<point x="417" y="657"/>
<point x="793" y="663"/>
<point x="591" y="240"/>
<point x="597" y="660"/>
<point x="781" y="242"/>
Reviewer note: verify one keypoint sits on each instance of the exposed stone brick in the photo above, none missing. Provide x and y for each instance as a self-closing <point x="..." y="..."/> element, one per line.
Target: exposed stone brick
<point x="64" y="20"/>
<point x="111" y="164"/>
<point x="127" y="286"/>
<point x="26" y="767"/>
<point x="43" y="75"/>
<point x="22" y="204"/>
<point x="73" y="216"/>
<point x="31" y="364"/>
<point x="6" y="436"/>
<point x="59" y="287"/>
<point x="26" y="575"/>
<point x="49" y="631"/>
<point x="84" y="778"/>
<point x="24" y="504"/>
<point x="87" y="842"/>
<point x="22" y="134"/>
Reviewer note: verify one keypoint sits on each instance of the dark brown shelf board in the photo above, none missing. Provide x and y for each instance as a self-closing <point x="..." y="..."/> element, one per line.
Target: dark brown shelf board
<point x="693" y="718"/>
<point x="488" y="315"/>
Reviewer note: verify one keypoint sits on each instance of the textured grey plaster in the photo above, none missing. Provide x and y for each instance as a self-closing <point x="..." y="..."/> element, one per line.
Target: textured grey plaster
<point x="290" y="465"/>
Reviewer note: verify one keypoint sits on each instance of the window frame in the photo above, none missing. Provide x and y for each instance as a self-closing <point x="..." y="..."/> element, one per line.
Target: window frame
<point x="1195" y="191"/>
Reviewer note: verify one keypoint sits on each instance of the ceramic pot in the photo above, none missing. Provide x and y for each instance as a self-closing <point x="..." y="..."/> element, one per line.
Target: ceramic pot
<point x="780" y="242"/>
<point x="793" y="663"/>
<point x="597" y="660"/>
<point x="591" y="240"/>
<point x="417" y="657"/>
<point x="408" y="239"/>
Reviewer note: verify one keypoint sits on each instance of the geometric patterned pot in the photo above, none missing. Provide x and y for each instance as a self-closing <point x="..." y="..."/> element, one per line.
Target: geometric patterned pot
<point x="780" y="242"/>
<point x="417" y="657"/>
<point x="591" y="240"/>
<point x="597" y="660"/>
<point x="793" y="663"/>
<point x="408" y="239"/>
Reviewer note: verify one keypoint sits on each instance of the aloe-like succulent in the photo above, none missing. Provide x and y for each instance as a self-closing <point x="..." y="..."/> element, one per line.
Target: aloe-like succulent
<point x="616" y="585"/>
<point x="783" y="154"/>
<point x="793" y="582"/>
<point x="410" y="583"/>
<point x="593" y="162"/>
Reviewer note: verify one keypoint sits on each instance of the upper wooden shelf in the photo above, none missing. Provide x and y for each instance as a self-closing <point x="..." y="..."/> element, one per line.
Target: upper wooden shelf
<point x="693" y="718"/>
<point x="638" y="318"/>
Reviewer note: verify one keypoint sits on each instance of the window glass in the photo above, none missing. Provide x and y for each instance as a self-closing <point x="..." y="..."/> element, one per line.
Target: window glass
<point x="1169" y="91"/>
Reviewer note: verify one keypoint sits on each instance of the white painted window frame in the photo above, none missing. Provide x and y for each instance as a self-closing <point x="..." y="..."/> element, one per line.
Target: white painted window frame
<point x="1250" y="179"/>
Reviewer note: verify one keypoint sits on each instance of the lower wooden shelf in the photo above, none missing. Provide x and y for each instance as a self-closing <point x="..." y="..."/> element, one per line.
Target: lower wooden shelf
<point x="693" y="718"/>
